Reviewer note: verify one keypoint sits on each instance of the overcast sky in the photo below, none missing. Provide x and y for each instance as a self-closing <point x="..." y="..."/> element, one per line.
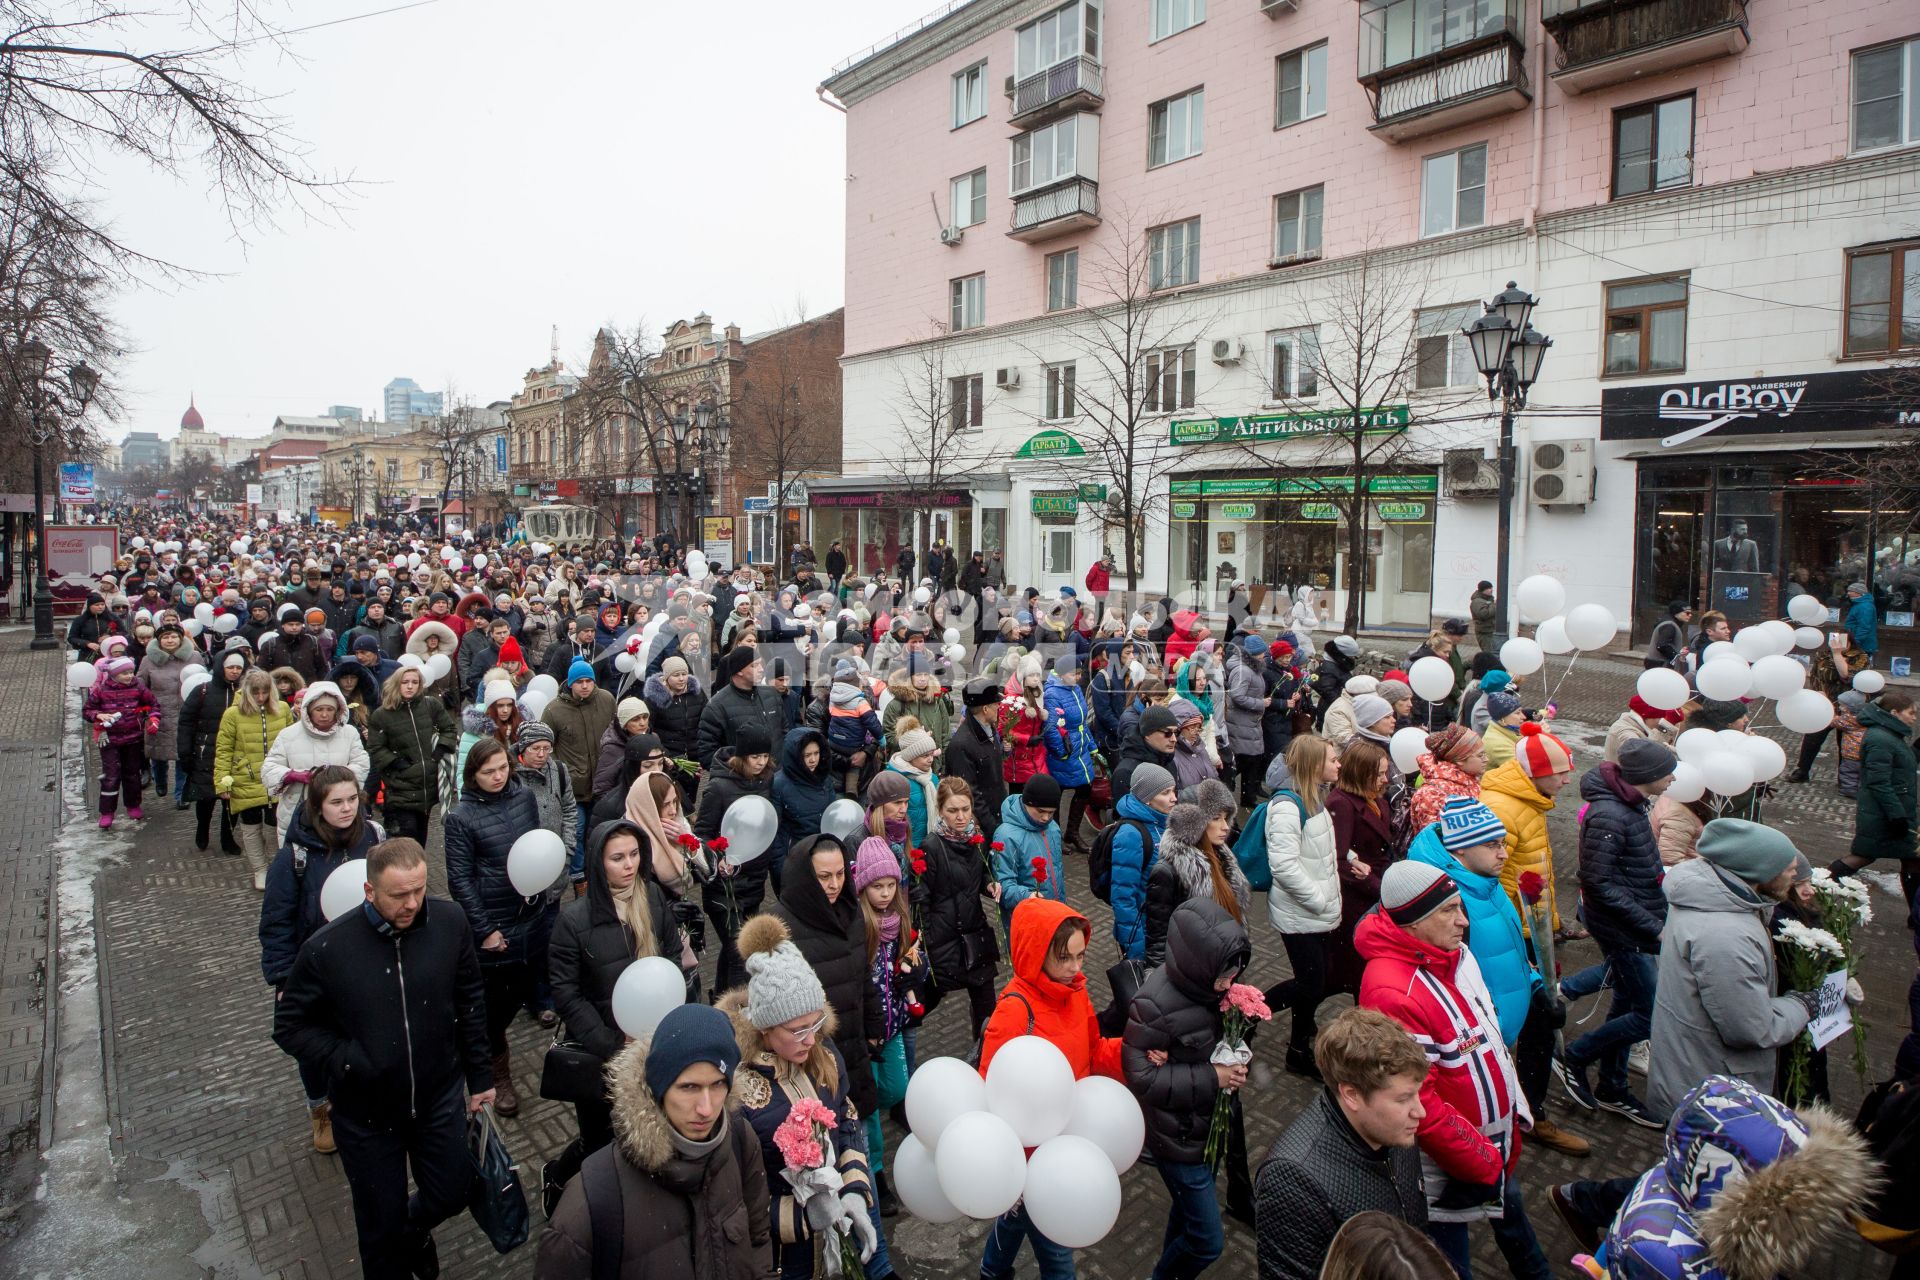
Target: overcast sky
<point x="569" y="162"/>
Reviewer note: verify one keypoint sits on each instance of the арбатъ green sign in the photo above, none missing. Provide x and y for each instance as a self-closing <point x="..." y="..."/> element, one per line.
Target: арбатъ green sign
<point x="1280" y="426"/>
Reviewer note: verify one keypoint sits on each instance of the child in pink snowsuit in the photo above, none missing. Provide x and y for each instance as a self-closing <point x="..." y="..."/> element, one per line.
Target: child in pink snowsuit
<point x="123" y="712"/>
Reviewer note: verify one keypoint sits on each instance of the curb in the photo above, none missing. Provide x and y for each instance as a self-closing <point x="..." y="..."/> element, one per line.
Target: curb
<point x="50" y="1029"/>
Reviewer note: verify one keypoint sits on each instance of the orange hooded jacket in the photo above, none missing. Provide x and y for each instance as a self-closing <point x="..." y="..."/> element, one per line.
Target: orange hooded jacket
<point x="1061" y="1013"/>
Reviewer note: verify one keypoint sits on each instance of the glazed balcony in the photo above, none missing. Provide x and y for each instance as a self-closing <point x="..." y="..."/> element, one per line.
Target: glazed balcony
<point x="1434" y="65"/>
<point x="1605" y="42"/>
<point x="1056" y="210"/>
<point x="1073" y="85"/>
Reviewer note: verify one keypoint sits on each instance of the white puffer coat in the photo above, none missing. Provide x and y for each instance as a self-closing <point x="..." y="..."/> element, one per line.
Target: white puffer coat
<point x="301" y="748"/>
<point x="1305" y="864"/>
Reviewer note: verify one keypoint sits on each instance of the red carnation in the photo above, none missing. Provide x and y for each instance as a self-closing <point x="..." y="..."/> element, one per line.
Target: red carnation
<point x="718" y="844"/>
<point x="1040" y="870"/>
<point x="996" y="846"/>
<point x="977" y="838"/>
<point x="918" y="861"/>
<point x="1531" y="886"/>
<point x="915" y="1009"/>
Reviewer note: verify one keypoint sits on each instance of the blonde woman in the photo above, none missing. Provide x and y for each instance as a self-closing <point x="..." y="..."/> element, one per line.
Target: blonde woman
<point x="1303" y="904"/>
<point x="247" y="730"/>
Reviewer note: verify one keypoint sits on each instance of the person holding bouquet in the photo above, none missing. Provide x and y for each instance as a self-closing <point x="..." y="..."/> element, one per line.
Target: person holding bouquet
<point x="897" y="971"/>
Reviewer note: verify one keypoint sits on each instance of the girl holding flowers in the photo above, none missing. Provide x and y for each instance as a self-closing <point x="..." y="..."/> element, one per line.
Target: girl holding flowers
<point x="896" y="968"/>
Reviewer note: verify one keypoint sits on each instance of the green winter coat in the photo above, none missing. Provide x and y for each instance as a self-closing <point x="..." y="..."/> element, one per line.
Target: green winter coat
<point x="405" y="743"/>
<point x="1885" y="813"/>
<point x="241" y="748"/>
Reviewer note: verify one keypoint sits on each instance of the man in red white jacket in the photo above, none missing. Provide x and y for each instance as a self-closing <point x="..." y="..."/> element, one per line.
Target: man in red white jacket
<point x="1420" y="973"/>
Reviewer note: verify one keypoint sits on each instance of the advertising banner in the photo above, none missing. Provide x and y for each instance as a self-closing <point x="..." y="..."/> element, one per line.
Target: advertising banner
<point x="76" y="555"/>
<point x="76" y="483"/>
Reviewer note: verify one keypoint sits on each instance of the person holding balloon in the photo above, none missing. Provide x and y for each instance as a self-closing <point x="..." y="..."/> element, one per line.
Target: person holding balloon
<point x="741" y="771"/>
<point x="330" y="829"/>
<point x="405" y="739"/>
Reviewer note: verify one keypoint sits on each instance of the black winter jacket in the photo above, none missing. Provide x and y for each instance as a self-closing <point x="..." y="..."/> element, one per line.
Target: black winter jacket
<point x="480" y="831"/>
<point x="405" y="745"/>
<point x="591" y="947"/>
<point x="800" y="796"/>
<point x="1620" y="869"/>
<point x="290" y="913"/>
<point x="974" y="755"/>
<point x="1134" y="752"/>
<point x="718" y="790"/>
<point x="395" y="1018"/>
<point x="1178" y="1012"/>
<point x="733" y="709"/>
<point x="833" y="938"/>
<point x="961" y="943"/>
<point x="1319" y="1174"/>
<point x="676" y="717"/>
<point x="301" y="651"/>
<point x="199" y="731"/>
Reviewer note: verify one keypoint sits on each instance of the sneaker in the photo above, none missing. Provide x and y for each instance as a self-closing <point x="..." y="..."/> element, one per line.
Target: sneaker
<point x="1638" y="1056"/>
<point x="1548" y="1134"/>
<point x="1578" y="1227"/>
<point x="1574" y="1080"/>
<point x="133" y="811"/>
<point x="1625" y="1104"/>
<point x="106" y="822"/>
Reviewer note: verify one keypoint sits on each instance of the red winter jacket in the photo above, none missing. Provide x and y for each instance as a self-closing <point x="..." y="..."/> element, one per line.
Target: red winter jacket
<point x="1024" y="728"/>
<point x="1186" y="636"/>
<point x="1098" y="578"/>
<point x="1062" y="1014"/>
<point x="132" y="703"/>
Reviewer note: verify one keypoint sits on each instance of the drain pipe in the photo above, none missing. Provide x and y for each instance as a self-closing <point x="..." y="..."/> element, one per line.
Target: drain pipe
<point x="1523" y="436"/>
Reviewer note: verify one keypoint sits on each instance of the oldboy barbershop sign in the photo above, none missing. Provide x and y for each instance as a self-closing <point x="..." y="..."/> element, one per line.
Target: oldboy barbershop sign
<point x="1679" y="413"/>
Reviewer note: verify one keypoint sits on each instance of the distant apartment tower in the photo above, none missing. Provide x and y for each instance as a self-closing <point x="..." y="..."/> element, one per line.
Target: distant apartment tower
<point x="405" y="399"/>
<point x="345" y="412"/>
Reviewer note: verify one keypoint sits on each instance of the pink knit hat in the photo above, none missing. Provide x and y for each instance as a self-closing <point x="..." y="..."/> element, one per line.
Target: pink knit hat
<point x="1539" y="753"/>
<point x="875" y="861"/>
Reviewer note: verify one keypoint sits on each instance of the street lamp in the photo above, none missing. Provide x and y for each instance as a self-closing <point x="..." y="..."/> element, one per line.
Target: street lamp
<point x="45" y="399"/>
<point x="1508" y="351"/>
<point x="680" y="427"/>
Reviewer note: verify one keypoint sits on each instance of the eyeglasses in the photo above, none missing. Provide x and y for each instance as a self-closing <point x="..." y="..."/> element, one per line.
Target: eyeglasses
<point x="807" y="1033"/>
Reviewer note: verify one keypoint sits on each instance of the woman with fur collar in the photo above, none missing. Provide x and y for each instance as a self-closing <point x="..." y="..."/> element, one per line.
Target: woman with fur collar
<point x="1195" y="860"/>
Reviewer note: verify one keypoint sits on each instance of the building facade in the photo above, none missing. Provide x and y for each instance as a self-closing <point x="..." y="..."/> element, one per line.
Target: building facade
<point x="376" y="476"/>
<point x="143" y="449"/>
<point x="1199" y="257"/>
<point x="403" y="399"/>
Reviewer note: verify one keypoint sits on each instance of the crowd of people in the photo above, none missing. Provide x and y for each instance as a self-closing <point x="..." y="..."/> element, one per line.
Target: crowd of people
<point x="319" y="696"/>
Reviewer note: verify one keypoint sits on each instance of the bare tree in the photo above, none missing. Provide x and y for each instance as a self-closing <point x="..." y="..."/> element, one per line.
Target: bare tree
<point x="939" y="413"/>
<point x="453" y="436"/>
<point x="786" y="414"/>
<point x="625" y="392"/>
<point x="1889" y="477"/>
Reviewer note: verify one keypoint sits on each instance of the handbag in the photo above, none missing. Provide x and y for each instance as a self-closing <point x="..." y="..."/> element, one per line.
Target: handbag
<point x="1123" y="980"/>
<point x="495" y="1199"/>
<point x="571" y="1072"/>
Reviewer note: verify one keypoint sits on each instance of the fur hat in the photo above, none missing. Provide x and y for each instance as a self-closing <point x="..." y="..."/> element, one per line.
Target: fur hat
<point x="1187" y="823"/>
<point x="781" y="985"/>
<point x="978" y="693"/>
<point x="1211" y="796"/>
<point x="875" y="861"/>
<point x="1540" y="753"/>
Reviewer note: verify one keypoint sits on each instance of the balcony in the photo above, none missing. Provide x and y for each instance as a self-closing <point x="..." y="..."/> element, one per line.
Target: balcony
<point x="1434" y="65"/>
<point x="1605" y="42"/>
<point x="1073" y="85"/>
<point x="1056" y="210"/>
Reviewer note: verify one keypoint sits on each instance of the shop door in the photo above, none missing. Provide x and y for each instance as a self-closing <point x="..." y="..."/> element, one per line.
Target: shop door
<point x="1671" y="564"/>
<point x="1056" y="550"/>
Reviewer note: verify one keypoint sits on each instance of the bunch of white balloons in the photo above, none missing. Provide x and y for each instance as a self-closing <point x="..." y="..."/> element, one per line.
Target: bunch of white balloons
<point x="1543" y="600"/>
<point x="967" y="1155"/>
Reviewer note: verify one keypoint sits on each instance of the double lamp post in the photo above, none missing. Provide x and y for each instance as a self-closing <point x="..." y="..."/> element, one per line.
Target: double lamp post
<point x="1508" y="352"/>
<point x="715" y="432"/>
<point x="48" y="402"/>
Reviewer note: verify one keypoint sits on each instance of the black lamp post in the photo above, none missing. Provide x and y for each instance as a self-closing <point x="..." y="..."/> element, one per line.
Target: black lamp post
<point x="680" y="426"/>
<point x="47" y="403"/>
<point x="1508" y="352"/>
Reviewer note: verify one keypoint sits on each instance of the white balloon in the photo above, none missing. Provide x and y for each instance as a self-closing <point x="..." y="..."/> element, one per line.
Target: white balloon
<point x="983" y="1169"/>
<point x="81" y="675"/>
<point x="1406" y="748"/>
<point x="1717" y="650"/>
<point x="1072" y="1193"/>
<point x="1030" y="1086"/>
<point x="193" y="680"/>
<point x="136" y="542"/>
<point x="345" y="889"/>
<point x="623" y="662"/>
<point x="1869" y="682"/>
<point x="1552" y="636"/>
<point x="1752" y="643"/>
<point x="1727" y="773"/>
<point x="1521" y="656"/>
<point x="192" y="626"/>
<point x="261" y="524"/>
<point x="413" y="560"/>
<point x="479" y="562"/>
<point x="535" y="861"/>
<point x="238" y="546"/>
<point x="1540" y="597"/>
<point x="697" y="565"/>
<point x="1689" y="784"/>
<point x="455" y="565"/>
<point x="1807" y="610"/>
<point x="1662" y="688"/>
<point x="533" y="704"/>
<point x="414" y="661"/>
<point x="955" y="653"/>
<point x="645" y="992"/>
<point x="916" y="1180"/>
<point x="1808" y="637"/>
<point x="1431" y="678"/>
<point x="952" y="636"/>
<point x="545" y="684"/>
<point x="1695" y="745"/>
<point x="1807" y="711"/>
<point x="940" y="1092"/>
<point x="226" y="622"/>
<point x="1106" y="1113"/>
<point x="1779" y="634"/>
<point x="438" y="665"/>
<point x="748" y="826"/>
<point x="1725" y="679"/>
<point x="1733" y="740"/>
<point x="204" y="612"/>
<point x="1591" y="626"/>
<point x="1776" y="676"/>
<point x="1768" y="758"/>
<point x="846" y="822"/>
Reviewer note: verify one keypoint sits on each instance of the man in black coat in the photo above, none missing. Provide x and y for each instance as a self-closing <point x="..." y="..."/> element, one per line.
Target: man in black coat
<point x="1149" y="741"/>
<point x="1351" y="1151"/>
<point x="294" y="646"/>
<point x="974" y="753"/>
<point x="1337" y="662"/>
<point x="741" y="701"/>
<point x="386" y="1002"/>
<point x="836" y="566"/>
<point x="818" y="907"/>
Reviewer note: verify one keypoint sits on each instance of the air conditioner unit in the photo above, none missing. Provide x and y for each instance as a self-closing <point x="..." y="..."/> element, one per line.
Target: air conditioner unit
<point x="1227" y="351"/>
<point x="951" y="236"/>
<point x="1009" y="86"/>
<point x="1471" y="474"/>
<point x="1006" y="379"/>
<point x="1274" y="8"/>
<point x="1562" y="473"/>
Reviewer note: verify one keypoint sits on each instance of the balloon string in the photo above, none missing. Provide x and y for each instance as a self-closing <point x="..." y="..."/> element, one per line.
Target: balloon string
<point x="1563" y="676"/>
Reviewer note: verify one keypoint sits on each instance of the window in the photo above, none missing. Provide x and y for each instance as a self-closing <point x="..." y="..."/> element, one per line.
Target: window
<point x="966" y="401"/>
<point x="1169" y="382"/>
<point x="393" y="470"/>
<point x="969" y="94"/>
<point x="1647" y="326"/>
<point x="1060" y="390"/>
<point x="1302" y="86"/>
<point x="1296" y="224"/>
<point x="1063" y="280"/>
<point x="1045" y="155"/>
<point x="1453" y="190"/>
<point x="1173" y="16"/>
<point x="1173" y="254"/>
<point x="1886" y="96"/>
<point x="1062" y="35"/>
<point x="1293" y="363"/>
<point x="1442" y="357"/>
<point x="967" y="302"/>
<point x="1174" y="128"/>
<point x="760" y="537"/>
<point x="1883" y="300"/>
<point x="969" y="206"/>
<point x="1653" y="147"/>
<point x="426" y="470"/>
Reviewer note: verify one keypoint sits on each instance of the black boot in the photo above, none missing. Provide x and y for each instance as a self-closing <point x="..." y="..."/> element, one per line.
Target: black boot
<point x="884" y="1197"/>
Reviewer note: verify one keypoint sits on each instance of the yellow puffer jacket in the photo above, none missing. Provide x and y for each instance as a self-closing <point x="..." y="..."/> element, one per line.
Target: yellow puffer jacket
<point x="1522" y="810"/>
<point x="241" y="749"/>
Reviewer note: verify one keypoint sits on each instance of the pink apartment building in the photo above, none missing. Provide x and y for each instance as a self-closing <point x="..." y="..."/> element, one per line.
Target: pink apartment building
<point x="1713" y="201"/>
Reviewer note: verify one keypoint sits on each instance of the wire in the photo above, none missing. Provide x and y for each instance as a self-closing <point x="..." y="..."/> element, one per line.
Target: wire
<point x="333" y="22"/>
<point x="1695" y="284"/>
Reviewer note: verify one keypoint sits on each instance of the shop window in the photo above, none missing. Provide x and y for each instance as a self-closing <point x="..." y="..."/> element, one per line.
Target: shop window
<point x="1293" y="363"/>
<point x="1886" y="96"/>
<point x="1453" y="190"/>
<point x="1442" y="357"/>
<point x="966" y="401"/>
<point x="1653" y="147"/>
<point x="969" y="94"/>
<point x="1063" y="280"/>
<point x="760" y="527"/>
<point x="1300" y="85"/>
<point x="1296" y="224"/>
<point x="1176" y="128"/>
<point x="1173" y="16"/>
<point x="1060" y="379"/>
<point x="1883" y="299"/>
<point x="1173" y="254"/>
<point x="967" y="302"/>
<point x="1169" y="380"/>
<point x="1646" y="327"/>
<point x="969" y="206"/>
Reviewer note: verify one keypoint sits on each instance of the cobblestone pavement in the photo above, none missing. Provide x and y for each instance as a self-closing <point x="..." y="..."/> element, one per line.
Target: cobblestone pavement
<point x="196" y="1085"/>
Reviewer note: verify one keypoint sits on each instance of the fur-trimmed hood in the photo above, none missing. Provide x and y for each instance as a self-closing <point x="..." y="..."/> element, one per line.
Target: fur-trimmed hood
<point x="639" y="1126"/>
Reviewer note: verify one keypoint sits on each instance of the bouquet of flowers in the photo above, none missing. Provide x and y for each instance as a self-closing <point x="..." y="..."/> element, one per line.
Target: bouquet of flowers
<point x="1808" y="955"/>
<point x="1039" y="866"/>
<point x="806" y="1151"/>
<point x="1844" y="908"/>
<point x="723" y="872"/>
<point x="1244" y="1006"/>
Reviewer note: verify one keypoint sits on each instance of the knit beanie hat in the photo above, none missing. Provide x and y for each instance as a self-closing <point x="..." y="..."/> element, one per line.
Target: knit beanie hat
<point x="886" y="787"/>
<point x="1465" y="822"/>
<point x="1753" y="852"/>
<point x="1157" y="720"/>
<point x="1357" y="685"/>
<point x="675" y="666"/>
<point x="1502" y="704"/>
<point x="1149" y="780"/>
<point x="1451" y="742"/>
<point x="688" y="1035"/>
<point x="875" y="861"/>
<point x="116" y="665"/>
<point x="1644" y="760"/>
<point x="752" y="740"/>
<point x="1370" y="709"/>
<point x="1041" y="792"/>
<point x="781" y="985"/>
<point x="736" y="660"/>
<point x="365" y="641"/>
<point x="510" y="652"/>
<point x="627" y="710"/>
<point x="1253" y="644"/>
<point x="1412" y="891"/>
<point x="915" y="743"/>
<point x="1720" y="713"/>
<point x="1496" y="681"/>
<point x="531" y="732"/>
<point x="497" y="691"/>
<point x="1648" y="712"/>
<point x="579" y="669"/>
<point x="1540" y="753"/>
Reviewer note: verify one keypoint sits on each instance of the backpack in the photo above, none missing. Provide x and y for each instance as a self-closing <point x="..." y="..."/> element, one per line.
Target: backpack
<point x="1100" y="860"/>
<point x="1250" y="850"/>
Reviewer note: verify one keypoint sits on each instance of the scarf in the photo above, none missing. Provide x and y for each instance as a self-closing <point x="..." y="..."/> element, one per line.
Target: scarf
<point x="899" y="832"/>
<point x="688" y="1149"/>
<point x="669" y="861"/>
<point x="889" y="927"/>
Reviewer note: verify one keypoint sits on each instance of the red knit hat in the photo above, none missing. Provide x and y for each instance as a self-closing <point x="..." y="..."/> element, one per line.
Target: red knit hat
<point x="1399" y="675"/>
<point x="1539" y="753"/>
<point x="1647" y="711"/>
<point x="510" y="651"/>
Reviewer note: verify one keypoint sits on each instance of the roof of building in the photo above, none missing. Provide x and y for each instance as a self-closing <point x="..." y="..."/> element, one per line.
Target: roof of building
<point x="191" y="419"/>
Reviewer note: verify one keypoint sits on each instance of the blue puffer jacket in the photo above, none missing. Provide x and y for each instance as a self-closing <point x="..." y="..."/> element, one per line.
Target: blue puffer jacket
<point x="1068" y="733"/>
<point x="800" y="796"/>
<point x="480" y="830"/>
<point x="1020" y="843"/>
<point x="290" y="913"/>
<point x="1111" y="695"/>
<point x="1620" y="869"/>
<point x="1493" y="933"/>
<point x="1132" y="863"/>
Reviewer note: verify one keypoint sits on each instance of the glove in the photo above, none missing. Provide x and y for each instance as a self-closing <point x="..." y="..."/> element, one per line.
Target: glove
<point x="860" y="1224"/>
<point x="1554" y="1012"/>
<point x="1855" y="994"/>
<point x="301" y="776"/>
<point x="1809" y="1000"/>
